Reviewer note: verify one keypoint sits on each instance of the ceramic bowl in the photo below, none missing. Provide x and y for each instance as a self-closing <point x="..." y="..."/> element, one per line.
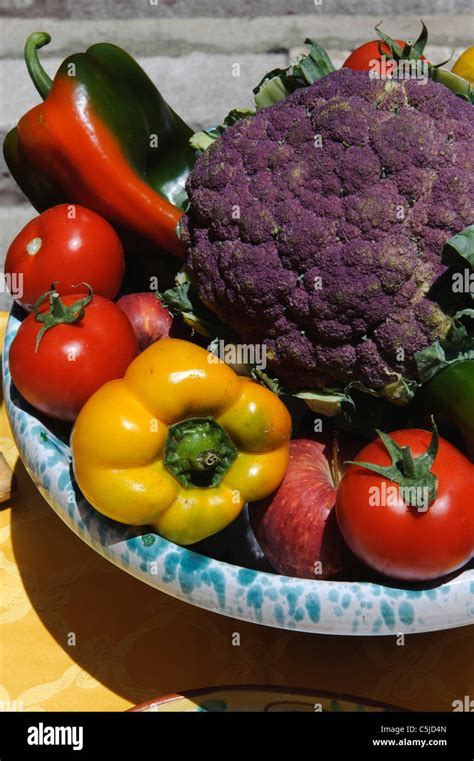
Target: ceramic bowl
<point x="328" y="607"/>
<point x="259" y="699"/>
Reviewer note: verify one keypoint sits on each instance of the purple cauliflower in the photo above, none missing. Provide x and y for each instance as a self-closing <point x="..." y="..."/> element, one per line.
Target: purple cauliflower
<point x="316" y="227"/>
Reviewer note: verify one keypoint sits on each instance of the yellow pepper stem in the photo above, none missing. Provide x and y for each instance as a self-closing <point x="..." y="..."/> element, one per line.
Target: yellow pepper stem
<point x="198" y="452"/>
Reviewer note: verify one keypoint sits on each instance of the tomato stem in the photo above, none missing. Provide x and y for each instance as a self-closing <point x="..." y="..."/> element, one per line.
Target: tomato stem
<point x="418" y="484"/>
<point x="59" y="313"/>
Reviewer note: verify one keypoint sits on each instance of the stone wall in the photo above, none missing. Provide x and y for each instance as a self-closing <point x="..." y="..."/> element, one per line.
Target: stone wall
<point x="108" y="9"/>
<point x="189" y="47"/>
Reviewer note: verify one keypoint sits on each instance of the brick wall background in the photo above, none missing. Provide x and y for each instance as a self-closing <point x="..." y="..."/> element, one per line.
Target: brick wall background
<point x="108" y="9"/>
<point x="188" y="47"/>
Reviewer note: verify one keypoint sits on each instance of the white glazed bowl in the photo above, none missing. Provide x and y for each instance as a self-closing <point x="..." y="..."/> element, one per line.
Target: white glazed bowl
<point x="327" y="607"/>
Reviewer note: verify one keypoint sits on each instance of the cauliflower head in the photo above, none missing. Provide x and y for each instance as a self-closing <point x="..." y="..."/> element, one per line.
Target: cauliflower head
<point x="316" y="227"/>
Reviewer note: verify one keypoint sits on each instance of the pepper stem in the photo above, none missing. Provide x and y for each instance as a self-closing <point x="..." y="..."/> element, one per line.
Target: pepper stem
<point x="198" y="452"/>
<point x="41" y="80"/>
<point x="205" y="460"/>
<point x="457" y="85"/>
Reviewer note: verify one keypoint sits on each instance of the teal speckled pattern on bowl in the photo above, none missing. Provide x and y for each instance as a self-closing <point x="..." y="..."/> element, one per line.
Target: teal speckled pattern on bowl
<point x="287" y="603"/>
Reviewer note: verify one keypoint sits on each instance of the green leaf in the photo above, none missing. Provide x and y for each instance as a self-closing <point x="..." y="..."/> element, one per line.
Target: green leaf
<point x="279" y="83"/>
<point x="457" y="346"/>
<point x="201" y="141"/>
<point x="399" y="391"/>
<point x="327" y="403"/>
<point x="178" y="297"/>
<point x="183" y="299"/>
<point x="330" y="402"/>
<point x="275" y="86"/>
<point x="315" y="65"/>
<point x="460" y="245"/>
<point x="460" y="338"/>
<point x="429" y="361"/>
<point x="273" y="74"/>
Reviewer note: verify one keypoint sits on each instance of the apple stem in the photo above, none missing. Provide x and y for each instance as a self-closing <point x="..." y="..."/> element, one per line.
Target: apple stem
<point x="335" y="464"/>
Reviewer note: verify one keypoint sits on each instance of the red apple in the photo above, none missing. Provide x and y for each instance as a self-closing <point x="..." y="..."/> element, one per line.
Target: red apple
<point x="149" y="318"/>
<point x="296" y="526"/>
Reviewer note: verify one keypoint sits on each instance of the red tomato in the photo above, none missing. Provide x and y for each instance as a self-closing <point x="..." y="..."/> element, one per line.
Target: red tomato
<point x="68" y="244"/>
<point x="399" y="540"/>
<point x="361" y="57"/>
<point x="73" y="360"/>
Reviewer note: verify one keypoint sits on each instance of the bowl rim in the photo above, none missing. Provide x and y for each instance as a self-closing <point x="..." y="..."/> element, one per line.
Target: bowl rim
<point x="171" y="697"/>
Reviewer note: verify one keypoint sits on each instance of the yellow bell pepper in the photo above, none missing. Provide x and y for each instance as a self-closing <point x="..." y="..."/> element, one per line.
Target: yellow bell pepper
<point x="180" y="443"/>
<point x="464" y="66"/>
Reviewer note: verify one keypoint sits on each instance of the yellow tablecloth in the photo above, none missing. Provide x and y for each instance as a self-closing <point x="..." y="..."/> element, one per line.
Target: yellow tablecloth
<point x="76" y="633"/>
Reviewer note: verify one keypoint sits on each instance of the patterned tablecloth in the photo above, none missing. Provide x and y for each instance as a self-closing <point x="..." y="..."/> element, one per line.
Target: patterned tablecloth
<point x="77" y="633"/>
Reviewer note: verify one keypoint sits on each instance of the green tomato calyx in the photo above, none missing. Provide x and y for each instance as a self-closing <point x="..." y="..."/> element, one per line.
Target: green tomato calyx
<point x="418" y="484"/>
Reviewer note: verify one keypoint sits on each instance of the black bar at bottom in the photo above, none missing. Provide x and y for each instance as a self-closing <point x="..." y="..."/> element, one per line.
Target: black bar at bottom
<point x="30" y="735"/>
